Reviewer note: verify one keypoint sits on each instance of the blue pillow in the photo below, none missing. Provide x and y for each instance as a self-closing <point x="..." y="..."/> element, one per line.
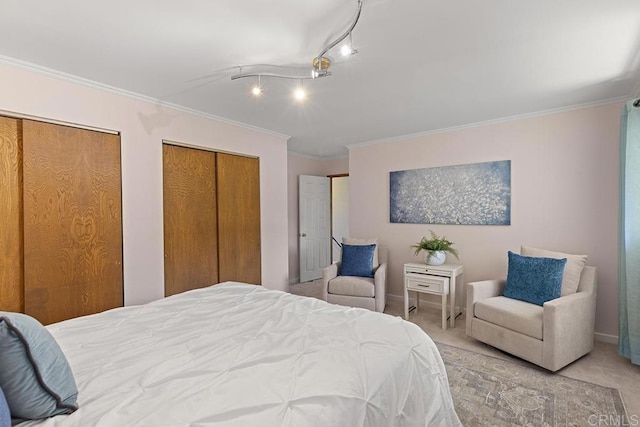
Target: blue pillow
<point x="534" y="279"/>
<point x="5" y="415"/>
<point x="357" y="260"/>
<point x="35" y="376"/>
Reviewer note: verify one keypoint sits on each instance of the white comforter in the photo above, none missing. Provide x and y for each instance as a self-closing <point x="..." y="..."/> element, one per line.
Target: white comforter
<point x="241" y="355"/>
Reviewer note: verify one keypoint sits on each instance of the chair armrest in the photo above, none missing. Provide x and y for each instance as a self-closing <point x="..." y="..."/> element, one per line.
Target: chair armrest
<point x="477" y="291"/>
<point x="380" y="284"/>
<point x="328" y="273"/>
<point x="568" y="328"/>
<point x="485" y="289"/>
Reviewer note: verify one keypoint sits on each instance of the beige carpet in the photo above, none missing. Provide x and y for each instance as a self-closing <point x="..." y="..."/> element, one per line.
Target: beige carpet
<point x="307" y="289"/>
<point x="488" y="391"/>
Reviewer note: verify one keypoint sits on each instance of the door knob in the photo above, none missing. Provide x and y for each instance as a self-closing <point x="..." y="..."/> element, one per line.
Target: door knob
<point x="303" y="234"/>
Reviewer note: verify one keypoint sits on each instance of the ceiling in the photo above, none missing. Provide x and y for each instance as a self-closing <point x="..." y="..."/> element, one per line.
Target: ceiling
<point x="423" y="65"/>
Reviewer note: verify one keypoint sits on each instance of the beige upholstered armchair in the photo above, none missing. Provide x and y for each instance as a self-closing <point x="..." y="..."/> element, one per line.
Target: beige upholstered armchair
<point x="354" y="291"/>
<point x="551" y="336"/>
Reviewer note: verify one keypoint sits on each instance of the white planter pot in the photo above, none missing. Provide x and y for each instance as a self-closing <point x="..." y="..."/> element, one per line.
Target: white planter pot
<point x="438" y="258"/>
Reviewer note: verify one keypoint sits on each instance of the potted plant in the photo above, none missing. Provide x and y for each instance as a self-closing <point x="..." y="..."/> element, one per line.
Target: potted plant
<point x="436" y="248"/>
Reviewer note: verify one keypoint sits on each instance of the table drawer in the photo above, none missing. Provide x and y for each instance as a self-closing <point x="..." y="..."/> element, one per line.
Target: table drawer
<point x="428" y="270"/>
<point x="424" y="283"/>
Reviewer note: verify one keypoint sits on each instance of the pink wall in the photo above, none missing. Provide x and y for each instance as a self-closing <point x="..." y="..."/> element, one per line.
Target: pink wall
<point x="564" y="194"/>
<point x="302" y="165"/>
<point x="143" y="126"/>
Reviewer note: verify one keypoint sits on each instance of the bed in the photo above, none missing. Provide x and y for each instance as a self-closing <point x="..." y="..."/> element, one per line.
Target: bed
<point x="241" y="355"/>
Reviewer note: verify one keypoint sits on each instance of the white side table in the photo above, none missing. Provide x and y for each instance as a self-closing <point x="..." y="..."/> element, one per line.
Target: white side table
<point x="433" y="279"/>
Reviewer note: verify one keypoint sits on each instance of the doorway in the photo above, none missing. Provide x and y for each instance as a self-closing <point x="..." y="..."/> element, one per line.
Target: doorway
<point x="339" y="213"/>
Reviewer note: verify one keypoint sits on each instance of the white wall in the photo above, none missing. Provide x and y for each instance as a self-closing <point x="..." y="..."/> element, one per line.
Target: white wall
<point x="143" y="126"/>
<point x="564" y="194"/>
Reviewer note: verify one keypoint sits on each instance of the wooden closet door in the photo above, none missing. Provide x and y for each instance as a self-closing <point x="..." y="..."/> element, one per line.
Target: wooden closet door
<point x="190" y="220"/>
<point x="72" y="221"/>
<point x="11" y="268"/>
<point x="239" y="218"/>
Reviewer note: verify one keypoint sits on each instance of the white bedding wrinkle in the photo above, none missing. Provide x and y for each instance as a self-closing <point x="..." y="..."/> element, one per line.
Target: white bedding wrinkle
<point x="241" y="355"/>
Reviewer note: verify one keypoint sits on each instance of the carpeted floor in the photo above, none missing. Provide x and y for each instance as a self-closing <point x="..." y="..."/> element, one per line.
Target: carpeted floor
<point x="488" y="391"/>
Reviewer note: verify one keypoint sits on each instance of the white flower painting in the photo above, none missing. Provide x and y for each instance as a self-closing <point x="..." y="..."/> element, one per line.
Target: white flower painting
<point x="472" y="194"/>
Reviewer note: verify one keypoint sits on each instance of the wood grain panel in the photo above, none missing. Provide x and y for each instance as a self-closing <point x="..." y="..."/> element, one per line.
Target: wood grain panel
<point x="239" y="218"/>
<point x="190" y="219"/>
<point x="72" y="221"/>
<point x="11" y="268"/>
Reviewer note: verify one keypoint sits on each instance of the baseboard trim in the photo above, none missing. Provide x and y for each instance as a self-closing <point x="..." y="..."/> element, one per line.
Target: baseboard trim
<point x="598" y="336"/>
<point x="606" y="338"/>
<point x="396" y="298"/>
<point x="432" y="304"/>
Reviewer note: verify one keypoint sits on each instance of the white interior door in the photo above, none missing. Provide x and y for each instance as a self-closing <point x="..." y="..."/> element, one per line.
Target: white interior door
<point x="314" y="231"/>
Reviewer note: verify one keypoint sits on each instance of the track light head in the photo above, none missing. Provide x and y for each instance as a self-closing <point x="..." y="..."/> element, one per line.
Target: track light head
<point x="299" y="94"/>
<point x="256" y="90"/>
<point x="347" y="50"/>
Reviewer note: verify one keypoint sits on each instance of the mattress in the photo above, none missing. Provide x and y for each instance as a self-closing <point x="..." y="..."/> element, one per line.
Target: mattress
<point x="241" y="355"/>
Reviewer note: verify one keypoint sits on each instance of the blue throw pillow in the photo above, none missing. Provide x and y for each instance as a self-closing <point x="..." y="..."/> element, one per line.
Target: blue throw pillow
<point x="35" y="375"/>
<point x="5" y="415"/>
<point x="534" y="279"/>
<point x="357" y="260"/>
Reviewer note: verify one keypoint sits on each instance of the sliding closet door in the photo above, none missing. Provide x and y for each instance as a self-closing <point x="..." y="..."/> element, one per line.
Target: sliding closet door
<point x="190" y="220"/>
<point x="239" y="218"/>
<point x="72" y="221"/>
<point x="11" y="279"/>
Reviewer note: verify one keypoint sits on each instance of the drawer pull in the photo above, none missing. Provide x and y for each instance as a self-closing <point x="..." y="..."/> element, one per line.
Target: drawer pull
<point x="424" y="286"/>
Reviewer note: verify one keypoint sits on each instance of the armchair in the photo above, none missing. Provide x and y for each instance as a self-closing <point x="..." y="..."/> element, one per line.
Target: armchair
<point x="354" y="291"/>
<point x="551" y="336"/>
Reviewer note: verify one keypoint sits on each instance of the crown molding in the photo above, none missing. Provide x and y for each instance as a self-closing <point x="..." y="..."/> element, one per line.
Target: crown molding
<point x="303" y="155"/>
<point x="60" y="75"/>
<point x="636" y="90"/>
<point x="487" y="122"/>
<point x="312" y="157"/>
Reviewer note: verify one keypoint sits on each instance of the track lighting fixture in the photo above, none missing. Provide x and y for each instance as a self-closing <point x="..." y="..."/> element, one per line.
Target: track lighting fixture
<point x="319" y="65"/>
